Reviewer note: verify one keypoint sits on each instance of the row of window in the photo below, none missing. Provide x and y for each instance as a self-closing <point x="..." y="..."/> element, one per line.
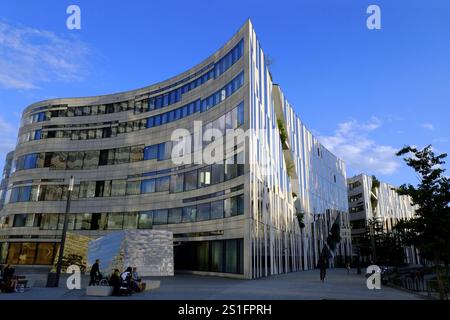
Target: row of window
<point x="149" y="104"/>
<point x="225" y="256"/>
<point x="187" y="181"/>
<point x="220" y="209"/>
<point x="357" y="209"/>
<point x="154" y="121"/>
<point x="92" y="159"/>
<point x="355" y="198"/>
<point x="29" y="253"/>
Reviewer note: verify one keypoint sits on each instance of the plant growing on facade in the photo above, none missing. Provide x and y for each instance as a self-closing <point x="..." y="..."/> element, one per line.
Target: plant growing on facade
<point x="73" y="259"/>
<point x="283" y="133"/>
<point x="429" y="230"/>
<point x="300" y="217"/>
<point x="374" y="194"/>
<point x="334" y="236"/>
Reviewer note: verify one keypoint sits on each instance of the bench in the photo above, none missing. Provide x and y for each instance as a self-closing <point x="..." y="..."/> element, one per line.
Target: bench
<point x="99" y="291"/>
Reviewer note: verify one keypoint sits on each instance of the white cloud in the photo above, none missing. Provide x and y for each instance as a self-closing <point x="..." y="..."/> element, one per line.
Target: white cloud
<point x="428" y="126"/>
<point x="351" y="142"/>
<point x="31" y="56"/>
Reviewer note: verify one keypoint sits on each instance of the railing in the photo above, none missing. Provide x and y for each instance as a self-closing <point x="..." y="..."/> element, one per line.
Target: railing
<point x="421" y="285"/>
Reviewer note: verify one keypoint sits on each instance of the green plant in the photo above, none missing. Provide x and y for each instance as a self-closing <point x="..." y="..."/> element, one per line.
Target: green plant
<point x="334" y="236"/>
<point x="373" y="197"/>
<point x="283" y="133"/>
<point x="73" y="259"/>
<point x="429" y="229"/>
<point x="300" y="217"/>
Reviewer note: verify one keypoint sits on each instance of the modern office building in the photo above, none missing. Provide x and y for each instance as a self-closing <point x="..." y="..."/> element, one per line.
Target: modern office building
<point x="377" y="200"/>
<point x="236" y="217"/>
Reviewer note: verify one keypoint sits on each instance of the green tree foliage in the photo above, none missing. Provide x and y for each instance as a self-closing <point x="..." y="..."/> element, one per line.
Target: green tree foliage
<point x="429" y="230"/>
<point x="283" y="133"/>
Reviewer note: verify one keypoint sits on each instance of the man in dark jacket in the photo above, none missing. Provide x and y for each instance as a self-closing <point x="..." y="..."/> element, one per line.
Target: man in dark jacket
<point x="95" y="272"/>
<point x="114" y="281"/>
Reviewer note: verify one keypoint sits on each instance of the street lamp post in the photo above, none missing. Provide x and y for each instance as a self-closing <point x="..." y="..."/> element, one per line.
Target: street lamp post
<point x="64" y="233"/>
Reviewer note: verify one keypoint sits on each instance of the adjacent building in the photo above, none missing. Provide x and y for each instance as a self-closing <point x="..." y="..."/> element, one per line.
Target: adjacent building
<point x="370" y="199"/>
<point x="237" y="217"/>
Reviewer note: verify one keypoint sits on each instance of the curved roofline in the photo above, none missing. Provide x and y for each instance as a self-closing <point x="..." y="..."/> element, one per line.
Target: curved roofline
<point x="128" y="94"/>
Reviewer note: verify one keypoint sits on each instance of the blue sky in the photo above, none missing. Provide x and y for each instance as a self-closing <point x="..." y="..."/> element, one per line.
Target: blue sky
<point x="365" y="93"/>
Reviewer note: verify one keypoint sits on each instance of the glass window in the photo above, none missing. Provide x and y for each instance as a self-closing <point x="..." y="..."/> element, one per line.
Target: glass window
<point x="204" y="177"/>
<point x="160" y="217"/>
<point x="87" y="189"/>
<point x="83" y="221"/>
<point x="75" y="135"/>
<point x="175" y="215"/>
<point x="20" y="220"/>
<point x="53" y="193"/>
<point x="28" y="252"/>
<point x="14" y="252"/>
<point x="130" y="220"/>
<point x="91" y="159"/>
<point x="118" y="188"/>
<point x="151" y="152"/>
<point x="92" y="134"/>
<point x="230" y="207"/>
<point x="164" y="118"/>
<point x="148" y="186"/>
<point x="231" y="253"/>
<point x="190" y="180"/>
<point x="150" y="122"/>
<point x="137" y="153"/>
<point x="161" y="151"/>
<point x="45" y="252"/>
<point x="115" y="221"/>
<point x="162" y="184"/>
<point x="176" y="183"/>
<point x="38" y="134"/>
<point x="240" y="114"/>
<point x="133" y="188"/>
<point x="217" y="173"/>
<point x="145" y="220"/>
<point x="151" y="104"/>
<point x="171" y="116"/>
<point x="99" y="221"/>
<point x="158" y="102"/>
<point x="75" y="160"/>
<point x="30" y="161"/>
<point x="58" y="160"/>
<point x="49" y="221"/>
<point x="217" y="260"/>
<point x="122" y="155"/>
<point x="189" y="214"/>
<point x="240" y="204"/>
<point x="83" y="134"/>
<point x="217" y="209"/>
<point x="25" y="194"/>
<point x="203" y="212"/>
<point x="103" y="157"/>
<point x="230" y="168"/>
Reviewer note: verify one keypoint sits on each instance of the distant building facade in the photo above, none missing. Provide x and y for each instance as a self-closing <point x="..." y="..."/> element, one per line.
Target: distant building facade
<point x="368" y="200"/>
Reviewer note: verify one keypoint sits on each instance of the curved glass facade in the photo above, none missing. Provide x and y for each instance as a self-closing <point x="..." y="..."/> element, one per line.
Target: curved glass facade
<point x="233" y="217"/>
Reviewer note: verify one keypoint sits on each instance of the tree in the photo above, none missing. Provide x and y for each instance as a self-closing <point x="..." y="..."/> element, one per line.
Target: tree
<point x="429" y="229"/>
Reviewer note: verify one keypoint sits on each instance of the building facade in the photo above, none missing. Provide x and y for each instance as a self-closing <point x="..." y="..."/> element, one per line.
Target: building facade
<point x="377" y="200"/>
<point x="139" y="162"/>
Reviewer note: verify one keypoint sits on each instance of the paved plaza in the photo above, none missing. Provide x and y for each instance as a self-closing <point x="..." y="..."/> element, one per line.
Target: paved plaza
<point x="303" y="285"/>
